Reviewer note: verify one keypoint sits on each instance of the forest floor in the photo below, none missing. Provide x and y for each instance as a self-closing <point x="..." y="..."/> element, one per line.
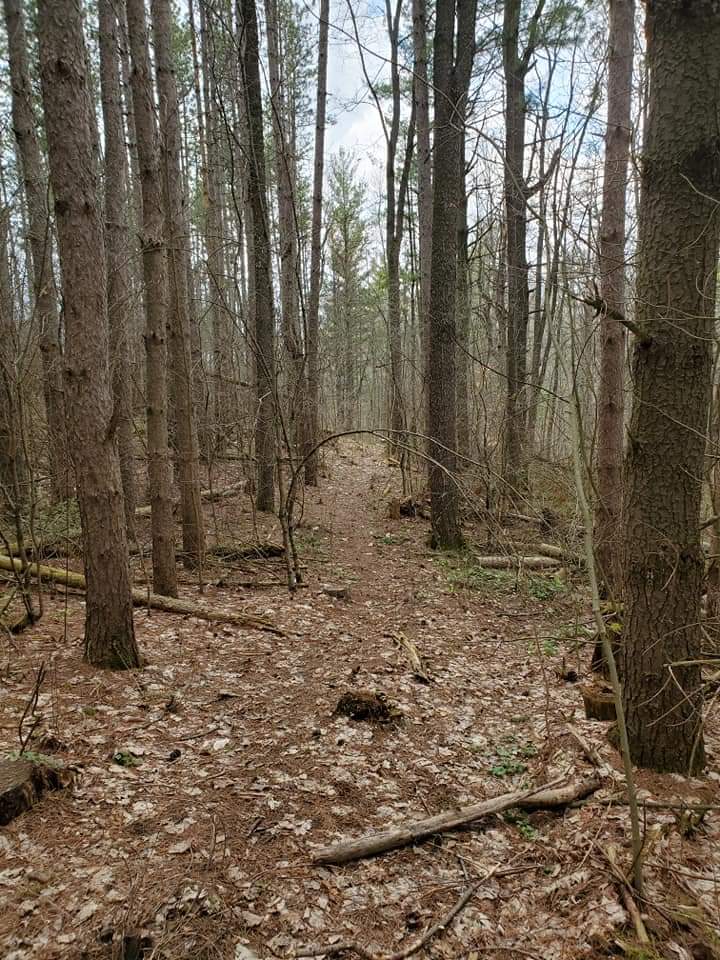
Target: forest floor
<point x="205" y="781"/>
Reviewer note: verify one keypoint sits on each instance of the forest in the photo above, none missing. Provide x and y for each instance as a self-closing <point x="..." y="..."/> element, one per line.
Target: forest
<point x="359" y="479"/>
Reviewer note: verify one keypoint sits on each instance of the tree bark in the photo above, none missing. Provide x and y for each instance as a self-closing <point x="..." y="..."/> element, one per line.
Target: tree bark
<point x="463" y="325"/>
<point x="313" y="370"/>
<point x="451" y="80"/>
<point x="40" y="235"/>
<point x="610" y="413"/>
<point x="264" y="333"/>
<point x="679" y="233"/>
<point x="176" y="230"/>
<point x="156" y="305"/>
<point x="73" y="150"/>
<point x="119" y="292"/>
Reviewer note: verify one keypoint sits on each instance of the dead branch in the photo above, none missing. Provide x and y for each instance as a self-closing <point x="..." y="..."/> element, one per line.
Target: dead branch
<point x="430" y="934"/>
<point x="143" y="598"/>
<point x="545" y="797"/>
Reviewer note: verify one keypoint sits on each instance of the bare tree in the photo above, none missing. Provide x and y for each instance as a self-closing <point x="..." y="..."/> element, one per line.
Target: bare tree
<point x="176" y="229"/>
<point x="679" y="235"/>
<point x="73" y="150"/>
<point x="264" y="332"/>
<point x="119" y="292"/>
<point x="40" y="236"/>
<point x="612" y="289"/>
<point x="313" y="373"/>
<point x="453" y="59"/>
<point x="156" y="305"/>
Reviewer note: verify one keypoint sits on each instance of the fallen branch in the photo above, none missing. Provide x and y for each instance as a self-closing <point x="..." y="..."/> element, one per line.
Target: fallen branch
<point x="545" y="797"/>
<point x="211" y="496"/>
<point x="514" y="563"/>
<point x="412" y="654"/>
<point x="559" y="553"/>
<point x="430" y="934"/>
<point x="142" y="598"/>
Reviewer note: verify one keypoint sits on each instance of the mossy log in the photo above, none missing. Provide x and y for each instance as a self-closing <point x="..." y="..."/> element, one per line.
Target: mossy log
<point x="141" y="598"/>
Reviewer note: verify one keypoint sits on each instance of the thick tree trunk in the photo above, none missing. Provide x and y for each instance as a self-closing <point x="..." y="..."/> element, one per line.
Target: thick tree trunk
<point x="451" y="78"/>
<point x="679" y="231"/>
<point x="313" y="370"/>
<point x="73" y="150"/>
<point x="156" y="306"/>
<point x="40" y="236"/>
<point x="176" y="230"/>
<point x="119" y="291"/>
<point x="612" y="288"/>
<point x="264" y="345"/>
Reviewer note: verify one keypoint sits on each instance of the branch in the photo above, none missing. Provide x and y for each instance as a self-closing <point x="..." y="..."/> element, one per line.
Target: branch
<point x="601" y="306"/>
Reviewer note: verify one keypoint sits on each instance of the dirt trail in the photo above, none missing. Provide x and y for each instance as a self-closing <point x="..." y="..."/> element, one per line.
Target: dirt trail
<point x="205" y="780"/>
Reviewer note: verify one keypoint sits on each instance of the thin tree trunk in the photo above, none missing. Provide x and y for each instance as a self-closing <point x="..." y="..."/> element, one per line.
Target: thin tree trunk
<point x="70" y="128"/>
<point x="679" y="235"/>
<point x="463" y="325"/>
<point x="313" y="370"/>
<point x="156" y="306"/>
<point x="119" y="293"/>
<point x="26" y="137"/>
<point x="451" y="78"/>
<point x="176" y="230"/>
<point x="607" y="535"/>
<point x="264" y="345"/>
<point x="424" y="180"/>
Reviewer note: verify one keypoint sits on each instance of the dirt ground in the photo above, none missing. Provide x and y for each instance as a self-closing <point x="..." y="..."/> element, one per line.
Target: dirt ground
<point x="204" y="782"/>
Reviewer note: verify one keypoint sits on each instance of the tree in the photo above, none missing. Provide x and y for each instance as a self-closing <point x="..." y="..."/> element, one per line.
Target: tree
<point x="679" y="233"/>
<point x="313" y="372"/>
<point x="264" y="332"/>
<point x="610" y="427"/>
<point x="40" y="236"/>
<point x="452" y="65"/>
<point x="73" y="150"/>
<point x="119" y="293"/>
<point x="156" y="306"/>
<point x="186" y="440"/>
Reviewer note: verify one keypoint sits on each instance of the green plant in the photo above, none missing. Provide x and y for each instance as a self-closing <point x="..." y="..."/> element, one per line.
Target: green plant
<point x="510" y="758"/>
<point x="124" y="758"/>
<point x="462" y="572"/>
<point x="34" y="757"/>
<point x="545" y="588"/>
<point x="520" y="820"/>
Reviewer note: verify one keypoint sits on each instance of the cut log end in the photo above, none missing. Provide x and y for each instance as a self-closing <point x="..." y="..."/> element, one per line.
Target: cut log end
<point x="599" y="703"/>
<point x="22" y="783"/>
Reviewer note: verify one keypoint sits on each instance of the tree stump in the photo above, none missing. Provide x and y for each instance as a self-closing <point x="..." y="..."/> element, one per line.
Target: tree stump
<point x="599" y="703"/>
<point x="22" y="783"/>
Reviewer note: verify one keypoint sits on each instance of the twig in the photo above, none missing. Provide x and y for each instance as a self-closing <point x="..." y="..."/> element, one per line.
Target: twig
<point x="430" y="934"/>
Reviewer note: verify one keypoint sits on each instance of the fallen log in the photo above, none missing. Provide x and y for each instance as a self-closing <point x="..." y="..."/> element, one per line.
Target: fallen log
<point x="546" y="797"/>
<point x="142" y="598"/>
<point x="514" y="563"/>
<point x="211" y="496"/>
<point x="559" y="553"/>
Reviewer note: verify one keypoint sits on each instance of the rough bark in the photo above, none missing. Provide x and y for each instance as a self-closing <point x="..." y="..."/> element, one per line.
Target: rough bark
<point x="25" y="128"/>
<point x="313" y="371"/>
<point x="119" y="293"/>
<point x="610" y="410"/>
<point x="156" y="305"/>
<point x="463" y="327"/>
<point x="73" y="151"/>
<point x="424" y="176"/>
<point x="285" y="173"/>
<point x="12" y="463"/>
<point x="452" y="78"/>
<point x="176" y="231"/>
<point x="264" y="335"/>
<point x="679" y="231"/>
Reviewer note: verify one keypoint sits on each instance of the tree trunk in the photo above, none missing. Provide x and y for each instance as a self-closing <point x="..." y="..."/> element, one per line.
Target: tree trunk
<point x="285" y="172"/>
<point x="156" y="306"/>
<point x="264" y="333"/>
<point x="424" y="180"/>
<point x="451" y="79"/>
<point x="679" y="231"/>
<point x="313" y="371"/>
<point x="119" y="293"/>
<point x="176" y="230"/>
<point x="463" y="325"/>
<point x="70" y="128"/>
<point x="610" y="411"/>
<point x="516" y="265"/>
<point x="43" y="281"/>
